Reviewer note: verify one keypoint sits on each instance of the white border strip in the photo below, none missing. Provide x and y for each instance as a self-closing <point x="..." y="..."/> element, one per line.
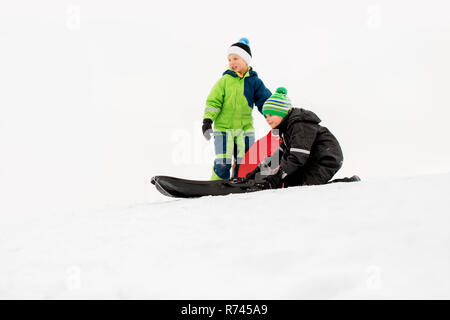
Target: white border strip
<point x="212" y="109"/>
<point x="299" y="150"/>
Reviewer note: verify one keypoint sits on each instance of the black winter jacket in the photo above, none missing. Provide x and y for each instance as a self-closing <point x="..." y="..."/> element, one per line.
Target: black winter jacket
<point x="306" y="145"/>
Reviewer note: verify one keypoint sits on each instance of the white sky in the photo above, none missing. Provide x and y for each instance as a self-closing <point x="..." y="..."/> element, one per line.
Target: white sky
<point x="98" y="96"/>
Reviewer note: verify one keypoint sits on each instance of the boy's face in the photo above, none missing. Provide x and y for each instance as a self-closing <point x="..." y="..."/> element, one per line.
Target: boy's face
<point x="273" y="120"/>
<point x="236" y="63"/>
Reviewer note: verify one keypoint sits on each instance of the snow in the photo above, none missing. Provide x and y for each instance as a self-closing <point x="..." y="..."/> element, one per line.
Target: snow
<point x="99" y="96"/>
<point x="377" y="239"/>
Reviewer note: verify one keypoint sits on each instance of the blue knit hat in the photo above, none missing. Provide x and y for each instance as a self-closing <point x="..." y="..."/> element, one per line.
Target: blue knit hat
<point x="278" y="104"/>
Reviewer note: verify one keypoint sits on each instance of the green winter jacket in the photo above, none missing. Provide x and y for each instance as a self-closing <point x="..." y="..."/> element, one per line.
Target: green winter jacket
<point x="230" y="103"/>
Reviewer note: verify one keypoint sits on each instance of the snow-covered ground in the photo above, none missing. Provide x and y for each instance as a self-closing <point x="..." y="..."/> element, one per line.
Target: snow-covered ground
<point x="373" y="239"/>
<point x="97" y="96"/>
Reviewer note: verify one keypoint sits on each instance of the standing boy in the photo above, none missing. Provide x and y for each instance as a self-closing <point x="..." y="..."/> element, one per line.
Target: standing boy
<point x="229" y="106"/>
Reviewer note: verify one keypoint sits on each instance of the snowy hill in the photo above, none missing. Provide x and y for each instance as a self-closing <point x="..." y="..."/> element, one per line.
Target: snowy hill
<point x="373" y="239"/>
<point x="98" y="96"/>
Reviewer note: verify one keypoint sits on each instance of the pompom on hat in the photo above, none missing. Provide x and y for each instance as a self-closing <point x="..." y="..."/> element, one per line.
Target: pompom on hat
<point x="278" y="104"/>
<point x="242" y="49"/>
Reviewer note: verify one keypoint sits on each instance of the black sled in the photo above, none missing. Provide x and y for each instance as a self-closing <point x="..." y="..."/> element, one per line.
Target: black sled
<point x="183" y="188"/>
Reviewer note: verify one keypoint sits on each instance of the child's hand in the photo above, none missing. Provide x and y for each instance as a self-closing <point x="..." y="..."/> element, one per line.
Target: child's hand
<point x="207" y="129"/>
<point x="251" y="175"/>
<point x="275" y="181"/>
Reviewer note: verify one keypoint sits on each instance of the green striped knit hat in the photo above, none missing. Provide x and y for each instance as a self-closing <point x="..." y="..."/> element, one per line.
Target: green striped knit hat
<point x="278" y="104"/>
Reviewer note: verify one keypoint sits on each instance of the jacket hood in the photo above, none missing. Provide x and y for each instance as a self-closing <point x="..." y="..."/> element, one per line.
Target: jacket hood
<point x="250" y="72"/>
<point x="297" y="115"/>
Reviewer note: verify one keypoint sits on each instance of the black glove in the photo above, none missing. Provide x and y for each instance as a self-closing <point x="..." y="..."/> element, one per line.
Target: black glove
<point x="206" y="128"/>
<point x="275" y="181"/>
<point x="251" y="175"/>
<point x="263" y="164"/>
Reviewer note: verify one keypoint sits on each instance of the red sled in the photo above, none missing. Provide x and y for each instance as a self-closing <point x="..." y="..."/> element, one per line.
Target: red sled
<point x="261" y="149"/>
